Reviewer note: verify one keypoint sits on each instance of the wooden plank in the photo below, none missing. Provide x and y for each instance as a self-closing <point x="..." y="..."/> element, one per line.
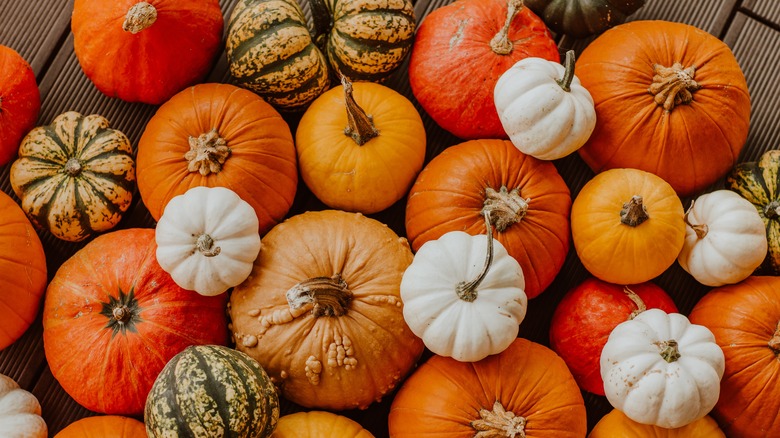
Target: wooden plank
<point x="768" y="9"/>
<point x="35" y="28"/>
<point x="57" y="407"/>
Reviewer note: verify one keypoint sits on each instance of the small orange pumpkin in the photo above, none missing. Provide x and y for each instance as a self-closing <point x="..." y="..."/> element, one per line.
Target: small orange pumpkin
<point x="103" y="426"/>
<point x="617" y="425"/>
<point x="20" y="101"/>
<point x="318" y="424"/>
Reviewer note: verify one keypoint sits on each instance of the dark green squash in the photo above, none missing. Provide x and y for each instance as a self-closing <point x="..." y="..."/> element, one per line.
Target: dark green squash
<point x="581" y="18"/>
<point x="212" y="391"/>
<point x="759" y="183"/>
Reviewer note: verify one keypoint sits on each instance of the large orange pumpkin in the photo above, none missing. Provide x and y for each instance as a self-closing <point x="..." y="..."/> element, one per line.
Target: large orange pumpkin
<point x="670" y="99"/>
<point x="20" y="101"/>
<point x="218" y="135"/>
<point x="318" y="424"/>
<point x="617" y="425"/>
<point x="528" y="200"/>
<point x="526" y="390"/>
<point x="112" y="318"/>
<point x="103" y="426"/>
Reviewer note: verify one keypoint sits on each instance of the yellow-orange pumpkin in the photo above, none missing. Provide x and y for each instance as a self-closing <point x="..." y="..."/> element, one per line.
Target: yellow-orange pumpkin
<point x="103" y="426"/>
<point x="318" y="424"/>
<point x="616" y="425"/>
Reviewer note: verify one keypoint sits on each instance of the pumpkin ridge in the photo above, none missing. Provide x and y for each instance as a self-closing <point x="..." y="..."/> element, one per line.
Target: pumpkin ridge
<point x="211" y="387"/>
<point x="265" y="32"/>
<point x="52" y="134"/>
<point x="83" y="216"/>
<point x="279" y="66"/>
<point x="123" y="184"/>
<point x="703" y="112"/>
<point x="267" y="386"/>
<point x="377" y="45"/>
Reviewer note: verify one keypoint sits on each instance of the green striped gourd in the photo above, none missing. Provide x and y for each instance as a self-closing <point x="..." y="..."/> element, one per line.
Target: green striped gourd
<point x="211" y="391"/>
<point x="75" y="177"/>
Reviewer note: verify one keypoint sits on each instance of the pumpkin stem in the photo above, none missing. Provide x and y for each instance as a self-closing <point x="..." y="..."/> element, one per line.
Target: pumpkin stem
<point x="633" y="212"/>
<point x="208" y="152"/>
<point x="361" y="125"/>
<point x="673" y="85"/>
<point x="498" y="423"/>
<point x="774" y="343"/>
<point x="329" y="296"/>
<point x="140" y="16"/>
<point x="772" y="210"/>
<point x="700" y="229"/>
<point x="568" y="73"/>
<point x="467" y="291"/>
<point x="72" y="166"/>
<point x="205" y="245"/>
<point x="500" y="42"/>
<point x="668" y="350"/>
<point x="504" y="207"/>
<point x="640" y="305"/>
<point x="121" y="314"/>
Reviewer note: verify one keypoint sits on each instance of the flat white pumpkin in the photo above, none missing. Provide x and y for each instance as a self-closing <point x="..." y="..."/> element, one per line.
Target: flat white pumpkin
<point x="660" y="369"/>
<point x="208" y="239"/>
<point x="20" y="412"/>
<point x="543" y="107"/>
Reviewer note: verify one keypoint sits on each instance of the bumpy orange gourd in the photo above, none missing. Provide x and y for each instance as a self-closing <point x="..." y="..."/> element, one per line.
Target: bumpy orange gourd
<point x="20" y="101"/>
<point x="318" y="424"/>
<point x="616" y="425"/>
<point x="103" y="426"/>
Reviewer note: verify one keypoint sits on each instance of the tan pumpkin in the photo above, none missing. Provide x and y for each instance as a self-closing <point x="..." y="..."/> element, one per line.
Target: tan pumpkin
<point x="617" y="425"/>
<point x="318" y="424"/>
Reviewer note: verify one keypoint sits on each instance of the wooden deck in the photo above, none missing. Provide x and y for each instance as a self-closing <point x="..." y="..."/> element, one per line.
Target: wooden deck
<point x="39" y="30"/>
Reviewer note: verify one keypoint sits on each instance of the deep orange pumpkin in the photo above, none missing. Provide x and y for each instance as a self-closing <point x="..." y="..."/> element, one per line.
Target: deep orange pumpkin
<point x="103" y="426"/>
<point x="20" y="101"/>
<point x="458" y="56"/>
<point x="454" y="187"/>
<point x="146" y="51"/>
<point x="112" y="318"/>
<point x="689" y="138"/>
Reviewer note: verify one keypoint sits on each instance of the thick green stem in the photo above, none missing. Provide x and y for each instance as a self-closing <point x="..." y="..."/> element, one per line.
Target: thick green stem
<point x="329" y="296"/>
<point x="360" y="125"/>
<point x="633" y="212"/>
<point x="568" y="73"/>
<point x="673" y="85"/>
<point x="668" y="350"/>
<point x="505" y="207"/>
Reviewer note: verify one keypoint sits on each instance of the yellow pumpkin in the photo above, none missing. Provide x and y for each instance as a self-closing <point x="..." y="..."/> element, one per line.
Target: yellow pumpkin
<point x="318" y="424"/>
<point x="617" y="425"/>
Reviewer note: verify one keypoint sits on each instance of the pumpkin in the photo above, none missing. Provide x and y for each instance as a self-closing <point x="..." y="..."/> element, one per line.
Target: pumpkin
<point x="20" y="412"/>
<point x="23" y="276"/>
<point x="725" y="240"/>
<point x="744" y="318"/>
<point x="179" y="40"/>
<point x="20" y="101"/>
<point x="211" y="390"/>
<point x="525" y="390"/>
<point x="318" y="424"/>
<point x="585" y="317"/>
<point x="528" y="201"/>
<point x="271" y="52"/>
<point x="460" y="51"/>
<point x="321" y="311"/>
<point x="670" y="99"/>
<point x="543" y="108"/>
<point x="757" y="181"/>
<point x="582" y="18"/>
<point x="219" y="135"/>
<point x="360" y="147"/>
<point x="111" y="309"/>
<point x="75" y="177"/>
<point x="207" y="239"/>
<point x="102" y="426"/>
<point x="617" y="425"/>
<point x="660" y="369"/>
<point x="627" y="226"/>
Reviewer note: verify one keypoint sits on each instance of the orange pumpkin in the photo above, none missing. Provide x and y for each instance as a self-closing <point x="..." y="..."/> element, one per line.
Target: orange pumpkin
<point x="616" y="425"/>
<point x="670" y="99"/>
<point x="529" y="205"/>
<point x="146" y="51"/>
<point x="321" y="310"/>
<point x="524" y="391"/>
<point x="745" y="319"/>
<point x="23" y="276"/>
<point x="318" y="424"/>
<point x="20" y="101"/>
<point x="218" y="135"/>
<point x="103" y="426"/>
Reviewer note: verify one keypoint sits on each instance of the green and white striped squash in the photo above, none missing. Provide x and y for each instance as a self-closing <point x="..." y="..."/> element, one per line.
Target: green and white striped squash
<point x="75" y="177"/>
<point x="212" y="391"/>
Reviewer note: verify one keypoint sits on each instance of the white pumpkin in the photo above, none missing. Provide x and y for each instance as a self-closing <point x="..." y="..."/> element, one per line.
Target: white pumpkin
<point x="543" y="107"/>
<point x="208" y="239"/>
<point x="660" y="369"/>
<point x="461" y="303"/>
<point x="725" y="239"/>
<point x="20" y="412"/>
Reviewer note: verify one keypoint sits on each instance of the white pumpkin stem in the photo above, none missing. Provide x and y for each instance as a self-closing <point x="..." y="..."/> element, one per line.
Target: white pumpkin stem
<point x="505" y="207"/>
<point x="72" y="166"/>
<point x="498" y="423"/>
<point x="360" y="126"/>
<point x="568" y="73"/>
<point x="500" y="43"/>
<point x="208" y="152"/>
<point x="140" y="16"/>
<point x="205" y="245"/>
<point x="673" y="85"/>
<point x="774" y="342"/>
<point x="701" y="230"/>
<point x="329" y="296"/>
<point x="634" y="212"/>
<point x="668" y="350"/>
<point x="467" y="291"/>
<point x="640" y="305"/>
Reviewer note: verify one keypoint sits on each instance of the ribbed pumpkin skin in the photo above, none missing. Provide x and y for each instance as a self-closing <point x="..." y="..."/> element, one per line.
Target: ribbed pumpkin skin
<point x="81" y="329"/>
<point x="616" y="425"/>
<point x="75" y="177"/>
<point x="212" y="391"/>
<point x="318" y="424"/>
<point x="451" y="190"/>
<point x="260" y="167"/>
<point x="23" y="274"/>
<point x="270" y="51"/>
<point x="20" y="101"/>
<point x="103" y="426"/>
<point x="580" y="18"/>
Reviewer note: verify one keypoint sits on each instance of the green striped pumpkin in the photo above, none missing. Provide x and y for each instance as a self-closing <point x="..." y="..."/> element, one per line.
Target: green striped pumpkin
<point x="75" y="177"/>
<point x="211" y="391"/>
<point x="759" y="183"/>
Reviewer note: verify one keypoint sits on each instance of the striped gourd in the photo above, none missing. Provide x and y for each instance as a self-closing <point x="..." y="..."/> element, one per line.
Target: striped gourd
<point x="271" y="52"/>
<point x="212" y="391"/>
<point x="75" y="177"/>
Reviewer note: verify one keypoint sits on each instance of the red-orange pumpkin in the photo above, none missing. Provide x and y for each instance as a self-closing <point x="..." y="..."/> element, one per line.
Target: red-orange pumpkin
<point x="103" y="426"/>
<point x="20" y="101"/>
<point x="112" y="318"/>
<point x="146" y="51"/>
<point x="528" y="200"/>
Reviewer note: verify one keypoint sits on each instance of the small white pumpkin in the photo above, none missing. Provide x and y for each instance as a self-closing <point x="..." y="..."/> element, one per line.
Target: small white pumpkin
<point x="461" y="303"/>
<point x="543" y="107"/>
<point x="208" y="239"/>
<point x="20" y="412"/>
<point x="660" y="369"/>
<point x="725" y="239"/>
